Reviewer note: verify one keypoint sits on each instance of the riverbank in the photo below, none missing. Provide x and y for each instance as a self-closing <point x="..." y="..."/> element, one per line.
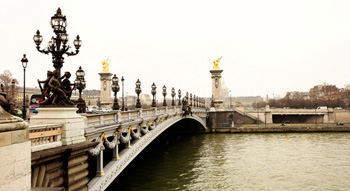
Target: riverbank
<point x="278" y="128"/>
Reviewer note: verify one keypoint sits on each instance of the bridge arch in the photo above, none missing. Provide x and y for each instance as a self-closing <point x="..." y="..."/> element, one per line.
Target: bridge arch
<point x="115" y="167"/>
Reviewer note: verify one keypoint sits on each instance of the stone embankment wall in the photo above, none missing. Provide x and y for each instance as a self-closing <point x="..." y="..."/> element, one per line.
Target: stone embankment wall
<point x="342" y="116"/>
<point x="288" y="128"/>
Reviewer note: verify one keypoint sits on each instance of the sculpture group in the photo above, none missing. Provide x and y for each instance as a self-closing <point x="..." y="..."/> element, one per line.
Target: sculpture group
<point x="56" y="92"/>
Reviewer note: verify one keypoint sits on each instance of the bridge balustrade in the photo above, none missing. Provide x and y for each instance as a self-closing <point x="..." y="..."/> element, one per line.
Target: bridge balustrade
<point x="45" y="136"/>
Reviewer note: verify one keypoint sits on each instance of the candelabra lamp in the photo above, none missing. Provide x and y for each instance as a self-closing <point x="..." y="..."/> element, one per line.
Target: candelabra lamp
<point x="57" y="47"/>
<point x="80" y="84"/>
<point x="154" y="87"/>
<point x="138" y="91"/>
<point x="164" y="94"/>
<point x="115" y="89"/>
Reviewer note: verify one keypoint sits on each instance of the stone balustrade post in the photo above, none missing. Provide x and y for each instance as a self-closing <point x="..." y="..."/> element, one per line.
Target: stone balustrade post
<point x="101" y="119"/>
<point x="119" y="117"/>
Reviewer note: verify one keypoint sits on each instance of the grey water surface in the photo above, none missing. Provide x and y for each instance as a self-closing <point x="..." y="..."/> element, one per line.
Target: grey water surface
<point x="275" y="161"/>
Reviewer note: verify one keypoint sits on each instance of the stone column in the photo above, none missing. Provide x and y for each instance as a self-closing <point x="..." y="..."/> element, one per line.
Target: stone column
<point x="216" y="89"/>
<point x="15" y="152"/>
<point x="106" y="95"/>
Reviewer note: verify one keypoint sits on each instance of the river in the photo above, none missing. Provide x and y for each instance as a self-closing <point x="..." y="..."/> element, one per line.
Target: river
<point x="275" y="161"/>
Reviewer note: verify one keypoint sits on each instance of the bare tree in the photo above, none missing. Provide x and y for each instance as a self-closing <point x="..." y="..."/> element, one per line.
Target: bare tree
<point x="6" y="79"/>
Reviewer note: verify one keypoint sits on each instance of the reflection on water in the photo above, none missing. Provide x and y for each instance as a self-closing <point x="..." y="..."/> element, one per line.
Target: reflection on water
<point x="312" y="161"/>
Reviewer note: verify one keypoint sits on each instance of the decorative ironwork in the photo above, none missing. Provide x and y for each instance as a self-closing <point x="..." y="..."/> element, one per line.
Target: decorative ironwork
<point x="57" y="46"/>
<point x="179" y="94"/>
<point x="24" y="64"/>
<point x="138" y="91"/>
<point x="191" y="98"/>
<point x="123" y="107"/>
<point x="115" y="89"/>
<point x="80" y="84"/>
<point x="173" y="95"/>
<point x="164" y="94"/>
<point x="154" y="87"/>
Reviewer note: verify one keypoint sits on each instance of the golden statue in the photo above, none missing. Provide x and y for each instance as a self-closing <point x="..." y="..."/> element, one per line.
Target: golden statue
<point x="216" y="63"/>
<point x="105" y="67"/>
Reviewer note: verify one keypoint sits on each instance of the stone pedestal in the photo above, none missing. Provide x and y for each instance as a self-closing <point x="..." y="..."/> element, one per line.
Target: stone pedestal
<point x="216" y="90"/>
<point x="106" y="95"/>
<point x="73" y="123"/>
<point x="15" y="152"/>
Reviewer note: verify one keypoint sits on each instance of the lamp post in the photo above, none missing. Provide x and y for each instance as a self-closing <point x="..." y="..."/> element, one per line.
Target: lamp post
<point x="24" y="64"/>
<point x="80" y="84"/>
<point x="123" y="107"/>
<point x="173" y="95"/>
<point x="115" y="89"/>
<point x="191" y="98"/>
<point x="154" y="87"/>
<point x="58" y="44"/>
<point x="138" y="91"/>
<point x="194" y="101"/>
<point x="179" y="94"/>
<point x="164" y="94"/>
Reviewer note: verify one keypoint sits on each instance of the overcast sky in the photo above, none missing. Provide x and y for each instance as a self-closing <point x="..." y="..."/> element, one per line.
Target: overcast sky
<point x="268" y="46"/>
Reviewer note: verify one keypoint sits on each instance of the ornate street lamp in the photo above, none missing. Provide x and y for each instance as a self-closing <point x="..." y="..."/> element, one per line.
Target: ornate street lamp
<point x="80" y="84"/>
<point x="115" y="89"/>
<point x="194" y="100"/>
<point x="24" y="64"/>
<point x="164" y="94"/>
<point x="138" y="91"/>
<point x="179" y="94"/>
<point x="123" y="108"/>
<point x="154" y="87"/>
<point x="173" y="95"/>
<point x="58" y="46"/>
<point x="191" y="98"/>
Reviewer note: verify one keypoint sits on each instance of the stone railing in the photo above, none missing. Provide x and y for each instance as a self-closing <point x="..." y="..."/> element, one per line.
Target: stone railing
<point x="102" y="119"/>
<point x="45" y="136"/>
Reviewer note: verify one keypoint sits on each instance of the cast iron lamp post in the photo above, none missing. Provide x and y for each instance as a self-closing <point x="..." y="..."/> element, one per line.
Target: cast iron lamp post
<point x="173" y="95"/>
<point x="138" y="91"/>
<point x="164" y="94"/>
<point x="80" y="84"/>
<point x="115" y="89"/>
<point x="194" y="100"/>
<point x="179" y="94"/>
<point x="123" y="107"/>
<point x="191" y="98"/>
<point x="154" y="87"/>
<point x="58" y="44"/>
<point x="24" y="64"/>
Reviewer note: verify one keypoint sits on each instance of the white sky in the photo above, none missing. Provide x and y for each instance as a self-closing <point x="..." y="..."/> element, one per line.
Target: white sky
<point x="268" y="46"/>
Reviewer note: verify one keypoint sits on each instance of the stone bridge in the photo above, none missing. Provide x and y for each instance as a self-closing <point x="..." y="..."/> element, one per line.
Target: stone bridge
<point x="135" y="130"/>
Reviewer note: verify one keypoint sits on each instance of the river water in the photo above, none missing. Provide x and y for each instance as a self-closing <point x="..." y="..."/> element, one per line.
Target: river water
<point x="294" y="161"/>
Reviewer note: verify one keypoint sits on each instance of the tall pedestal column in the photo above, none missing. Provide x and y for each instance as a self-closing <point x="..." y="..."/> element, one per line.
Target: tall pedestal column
<point x="106" y="95"/>
<point x="216" y="89"/>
